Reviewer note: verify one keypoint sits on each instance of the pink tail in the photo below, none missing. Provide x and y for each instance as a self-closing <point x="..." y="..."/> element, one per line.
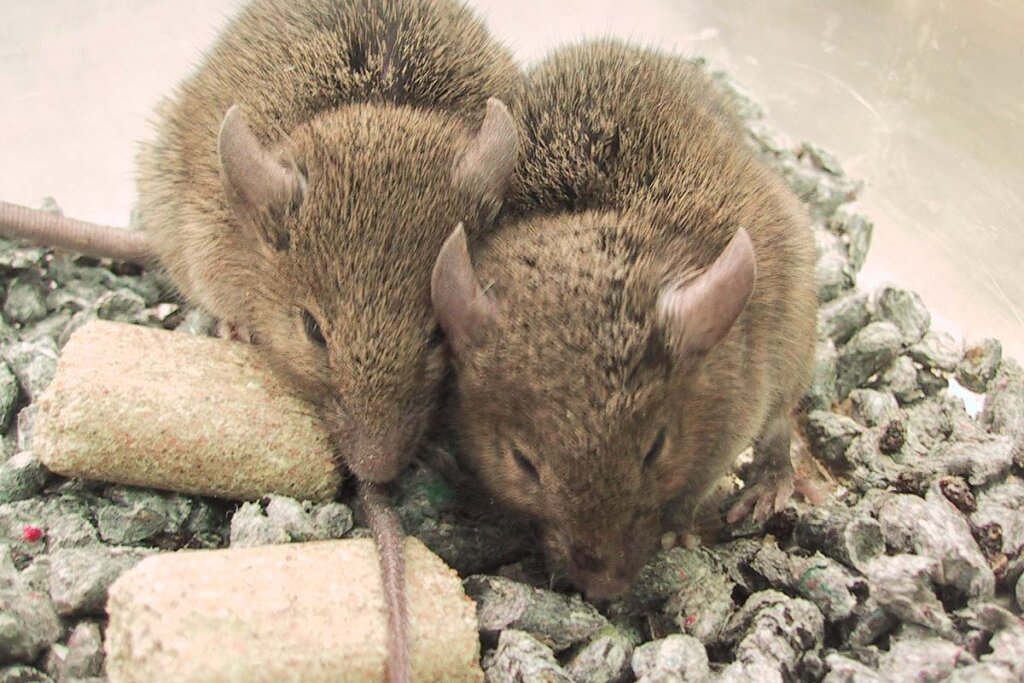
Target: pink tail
<point x="49" y="230"/>
<point x="389" y="537"/>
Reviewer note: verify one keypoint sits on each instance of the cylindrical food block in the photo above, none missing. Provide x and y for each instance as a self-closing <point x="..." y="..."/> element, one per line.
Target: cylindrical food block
<point x="147" y="407"/>
<point x="304" y="612"/>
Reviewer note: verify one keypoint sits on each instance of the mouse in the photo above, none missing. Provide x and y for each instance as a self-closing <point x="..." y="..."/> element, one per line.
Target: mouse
<point x="299" y="187"/>
<point x="644" y="313"/>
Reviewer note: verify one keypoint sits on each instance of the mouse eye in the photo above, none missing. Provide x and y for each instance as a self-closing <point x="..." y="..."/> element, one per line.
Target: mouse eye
<point x="436" y="337"/>
<point x="655" y="450"/>
<point x="312" y="328"/>
<point x="525" y="465"/>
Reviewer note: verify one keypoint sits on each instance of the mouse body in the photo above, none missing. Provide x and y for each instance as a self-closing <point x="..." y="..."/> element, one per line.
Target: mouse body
<point x="645" y="312"/>
<point x="301" y="184"/>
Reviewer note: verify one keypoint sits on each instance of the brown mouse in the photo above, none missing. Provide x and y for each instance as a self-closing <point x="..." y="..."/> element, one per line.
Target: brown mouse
<point x="647" y="311"/>
<point x="301" y="183"/>
<point x="300" y="186"/>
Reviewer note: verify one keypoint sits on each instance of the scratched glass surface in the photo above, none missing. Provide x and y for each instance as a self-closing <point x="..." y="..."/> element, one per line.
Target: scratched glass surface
<point x="922" y="100"/>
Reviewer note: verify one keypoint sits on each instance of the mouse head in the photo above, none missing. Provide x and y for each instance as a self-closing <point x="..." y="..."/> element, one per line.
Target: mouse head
<point x="340" y="227"/>
<point x="578" y="349"/>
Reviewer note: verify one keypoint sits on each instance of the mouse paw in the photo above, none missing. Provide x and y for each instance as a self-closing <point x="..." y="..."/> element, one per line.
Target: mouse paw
<point x="763" y="499"/>
<point x="770" y="495"/>
<point x="234" y="332"/>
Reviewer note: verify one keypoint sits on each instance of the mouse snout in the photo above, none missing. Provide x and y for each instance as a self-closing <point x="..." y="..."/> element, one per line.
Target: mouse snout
<point x="603" y="558"/>
<point x="371" y="462"/>
<point x="374" y="457"/>
<point x="599" y="576"/>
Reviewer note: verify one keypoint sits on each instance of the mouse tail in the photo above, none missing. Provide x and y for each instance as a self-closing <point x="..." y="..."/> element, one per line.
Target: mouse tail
<point x="50" y="230"/>
<point x="389" y="537"/>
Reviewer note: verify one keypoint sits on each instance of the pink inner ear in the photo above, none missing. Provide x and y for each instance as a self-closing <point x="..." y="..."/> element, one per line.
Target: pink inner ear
<point x="460" y="304"/>
<point x="697" y="314"/>
<point x="252" y="178"/>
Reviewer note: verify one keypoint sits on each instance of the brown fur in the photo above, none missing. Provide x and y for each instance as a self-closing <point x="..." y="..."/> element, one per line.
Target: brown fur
<point x="373" y="100"/>
<point x="299" y="188"/>
<point x="636" y="177"/>
<point x="367" y="105"/>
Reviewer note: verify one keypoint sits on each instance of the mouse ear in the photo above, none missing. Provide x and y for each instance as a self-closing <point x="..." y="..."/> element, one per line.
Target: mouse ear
<point x="696" y="314"/>
<point x="261" y="190"/>
<point x="462" y="307"/>
<point x="485" y="168"/>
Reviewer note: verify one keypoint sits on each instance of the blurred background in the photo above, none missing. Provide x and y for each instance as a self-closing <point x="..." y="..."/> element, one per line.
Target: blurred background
<point x="922" y="99"/>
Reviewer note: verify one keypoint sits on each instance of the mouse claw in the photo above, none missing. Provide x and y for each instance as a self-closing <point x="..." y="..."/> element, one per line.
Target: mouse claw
<point x="740" y="509"/>
<point x="810" y="491"/>
<point x="767" y="497"/>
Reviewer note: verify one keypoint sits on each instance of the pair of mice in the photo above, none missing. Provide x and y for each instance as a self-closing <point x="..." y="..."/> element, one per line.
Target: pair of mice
<point x="639" y="303"/>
